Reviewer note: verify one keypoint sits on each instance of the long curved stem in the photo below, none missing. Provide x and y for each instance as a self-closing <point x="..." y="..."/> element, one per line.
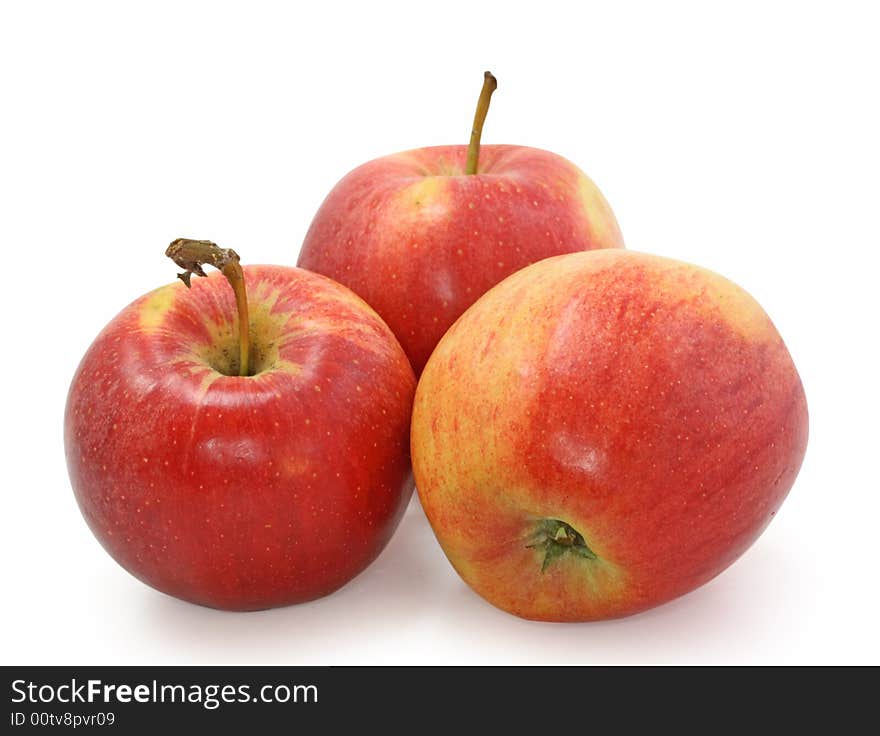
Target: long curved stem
<point x="490" y="84"/>
<point x="235" y="276"/>
<point x="191" y="255"/>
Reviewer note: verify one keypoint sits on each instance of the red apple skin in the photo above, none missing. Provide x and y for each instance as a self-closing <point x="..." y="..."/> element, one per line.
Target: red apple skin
<point x="649" y="404"/>
<point x="420" y="241"/>
<point x="235" y="492"/>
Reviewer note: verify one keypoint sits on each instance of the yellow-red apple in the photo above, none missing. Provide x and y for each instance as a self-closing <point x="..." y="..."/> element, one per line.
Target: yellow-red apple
<point x="421" y="235"/>
<point x="603" y="432"/>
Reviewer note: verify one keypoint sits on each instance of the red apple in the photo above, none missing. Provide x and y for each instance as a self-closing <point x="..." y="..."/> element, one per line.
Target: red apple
<point x="243" y="492"/>
<point x="421" y="235"/>
<point x="603" y="432"/>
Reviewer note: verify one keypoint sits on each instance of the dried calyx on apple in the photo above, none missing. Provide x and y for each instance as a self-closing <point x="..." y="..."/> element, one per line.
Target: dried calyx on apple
<point x="557" y="538"/>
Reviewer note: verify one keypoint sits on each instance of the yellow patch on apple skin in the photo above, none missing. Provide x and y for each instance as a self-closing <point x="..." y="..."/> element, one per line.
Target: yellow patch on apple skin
<point x="428" y="165"/>
<point x="572" y="589"/>
<point x="719" y="298"/>
<point x="156" y="306"/>
<point x="426" y="198"/>
<point x="737" y="308"/>
<point x="603" y="225"/>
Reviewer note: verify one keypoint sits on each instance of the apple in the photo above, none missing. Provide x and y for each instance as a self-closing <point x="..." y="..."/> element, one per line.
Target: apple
<point x="237" y="491"/>
<point x="603" y="432"/>
<point x="420" y="235"/>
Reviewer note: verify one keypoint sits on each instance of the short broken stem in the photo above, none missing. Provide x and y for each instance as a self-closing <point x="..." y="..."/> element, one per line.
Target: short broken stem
<point x="490" y="84"/>
<point x="191" y="255"/>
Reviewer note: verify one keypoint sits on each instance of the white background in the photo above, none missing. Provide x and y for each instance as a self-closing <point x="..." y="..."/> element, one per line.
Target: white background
<point x="742" y="137"/>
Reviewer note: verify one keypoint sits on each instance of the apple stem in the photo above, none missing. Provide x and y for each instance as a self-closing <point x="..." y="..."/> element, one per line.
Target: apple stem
<point x="490" y="84"/>
<point x="191" y="255"/>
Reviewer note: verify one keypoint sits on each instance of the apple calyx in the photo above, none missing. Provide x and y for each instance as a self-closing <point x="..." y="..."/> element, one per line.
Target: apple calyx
<point x="557" y="538"/>
<point x="191" y="255"/>
<point x="490" y="84"/>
